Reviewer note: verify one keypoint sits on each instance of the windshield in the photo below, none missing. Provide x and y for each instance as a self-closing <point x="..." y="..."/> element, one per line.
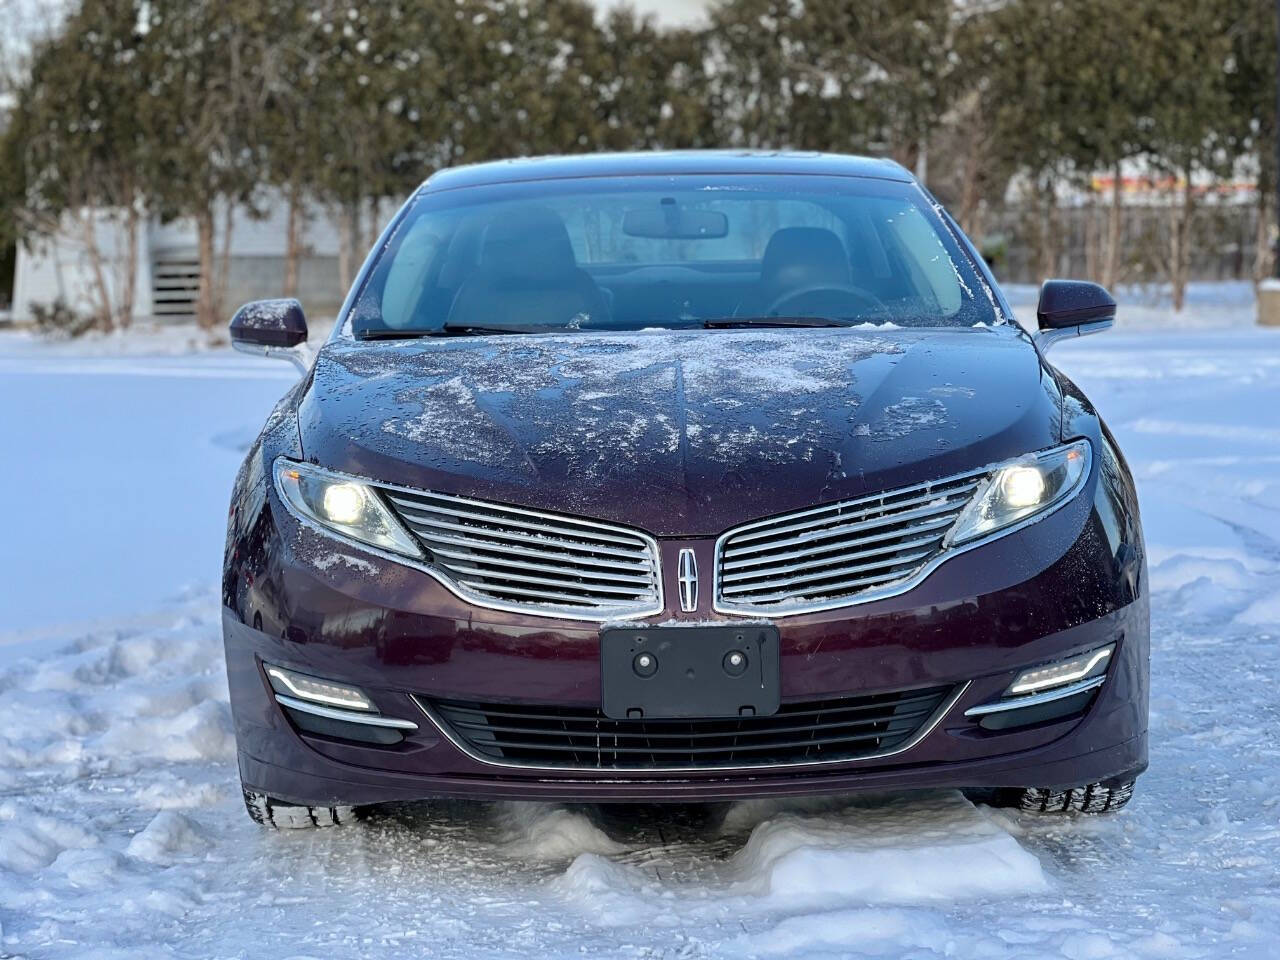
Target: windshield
<point x="629" y="253"/>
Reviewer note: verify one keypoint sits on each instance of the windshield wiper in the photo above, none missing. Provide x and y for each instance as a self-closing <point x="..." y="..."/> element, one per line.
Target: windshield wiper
<point x="480" y="330"/>
<point x="449" y="330"/>
<point x="392" y="334"/>
<point x="724" y="323"/>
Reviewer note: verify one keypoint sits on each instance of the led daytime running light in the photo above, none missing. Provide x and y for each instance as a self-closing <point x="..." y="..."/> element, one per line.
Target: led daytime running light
<point x="1059" y="674"/>
<point x="318" y="691"/>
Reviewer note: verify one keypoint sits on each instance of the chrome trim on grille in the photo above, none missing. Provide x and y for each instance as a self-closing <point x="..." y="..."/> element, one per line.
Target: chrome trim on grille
<point x="530" y="561"/>
<point x="927" y="526"/>
<point x="925" y="729"/>
<point x="1036" y="699"/>
<point x="347" y="716"/>
<point x="849" y="552"/>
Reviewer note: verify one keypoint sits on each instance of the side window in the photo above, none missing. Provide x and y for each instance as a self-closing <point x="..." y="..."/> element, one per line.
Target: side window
<point x="407" y="276"/>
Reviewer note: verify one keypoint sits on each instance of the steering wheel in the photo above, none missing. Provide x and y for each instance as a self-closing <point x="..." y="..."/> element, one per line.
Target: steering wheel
<point x="845" y="289"/>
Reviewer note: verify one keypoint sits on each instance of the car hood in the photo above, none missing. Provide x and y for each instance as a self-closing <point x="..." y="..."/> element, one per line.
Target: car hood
<point x="680" y="433"/>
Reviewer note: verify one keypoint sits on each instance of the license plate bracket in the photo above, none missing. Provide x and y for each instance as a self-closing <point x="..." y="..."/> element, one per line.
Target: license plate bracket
<point x="677" y="672"/>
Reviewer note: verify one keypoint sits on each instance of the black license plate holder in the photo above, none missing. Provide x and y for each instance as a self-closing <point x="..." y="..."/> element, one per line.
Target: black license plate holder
<point x="692" y="672"/>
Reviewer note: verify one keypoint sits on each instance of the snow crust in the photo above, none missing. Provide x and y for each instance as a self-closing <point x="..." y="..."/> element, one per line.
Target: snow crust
<point x="122" y="834"/>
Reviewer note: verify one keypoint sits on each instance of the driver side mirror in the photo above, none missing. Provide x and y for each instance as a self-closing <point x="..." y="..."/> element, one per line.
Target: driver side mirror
<point x="272" y="328"/>
<point x="1072" y="308"/>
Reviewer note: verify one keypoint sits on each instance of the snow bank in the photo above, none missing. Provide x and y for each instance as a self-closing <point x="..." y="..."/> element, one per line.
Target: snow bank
<point x="543" y="831"/>
<point x="165" y="838"/>
<point x="1263" y="612"/>
<point x="931" y="848"/>
<point x="30" y="840"/>
<point x="908" y="851"/>
<point x="109" y="701"/>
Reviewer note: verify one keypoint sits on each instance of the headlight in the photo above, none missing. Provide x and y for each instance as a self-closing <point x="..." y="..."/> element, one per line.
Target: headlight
<point x="341" y="504"/>
<point x="1024" y="488"/>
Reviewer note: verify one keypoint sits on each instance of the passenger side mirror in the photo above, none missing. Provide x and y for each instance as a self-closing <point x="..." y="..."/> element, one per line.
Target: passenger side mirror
<point x="1072" y="308"/>
<point x="272" y="328"/>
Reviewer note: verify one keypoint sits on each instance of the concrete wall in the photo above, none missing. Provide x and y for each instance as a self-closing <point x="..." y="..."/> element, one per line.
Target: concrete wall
<point x="259" y="277"/>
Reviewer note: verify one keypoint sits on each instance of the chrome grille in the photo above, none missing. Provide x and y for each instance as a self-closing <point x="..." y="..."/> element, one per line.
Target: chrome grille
<point x="847" y="552"/>
<point x="583" y="738"/>
<point x="526" y="560"/>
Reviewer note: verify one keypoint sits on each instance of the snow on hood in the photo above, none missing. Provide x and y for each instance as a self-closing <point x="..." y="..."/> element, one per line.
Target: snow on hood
<point x="677" y="419"/>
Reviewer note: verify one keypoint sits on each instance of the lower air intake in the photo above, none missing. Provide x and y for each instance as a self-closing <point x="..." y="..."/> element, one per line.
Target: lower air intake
<point x="580" y="738"/>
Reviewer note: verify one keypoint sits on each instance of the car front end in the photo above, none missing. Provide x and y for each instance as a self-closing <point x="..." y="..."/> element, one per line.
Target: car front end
<point x="662" y="565"/>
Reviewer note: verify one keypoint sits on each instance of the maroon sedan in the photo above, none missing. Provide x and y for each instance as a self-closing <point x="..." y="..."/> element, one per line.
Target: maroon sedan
<point x="682" y="477"/>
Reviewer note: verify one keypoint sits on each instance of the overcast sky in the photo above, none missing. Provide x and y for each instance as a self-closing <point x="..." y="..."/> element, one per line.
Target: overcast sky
<point x="668" y="11"/>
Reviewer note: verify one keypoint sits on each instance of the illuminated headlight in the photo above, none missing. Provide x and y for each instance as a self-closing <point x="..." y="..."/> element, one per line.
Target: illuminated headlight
<point x="1091" y="664"/>
<point x="315" y="690"/>
<point x="1022" y="489"/>
<point x="341" y="504"/>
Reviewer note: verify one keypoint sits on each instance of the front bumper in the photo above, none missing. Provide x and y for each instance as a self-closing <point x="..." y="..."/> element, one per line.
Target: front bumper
<point x="296" y="599"/>
<point x="284" y="762"/>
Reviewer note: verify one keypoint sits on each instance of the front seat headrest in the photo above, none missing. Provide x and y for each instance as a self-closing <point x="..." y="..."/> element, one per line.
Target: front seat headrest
<point x="528" y="243"/>
<point x="800" y="257"/>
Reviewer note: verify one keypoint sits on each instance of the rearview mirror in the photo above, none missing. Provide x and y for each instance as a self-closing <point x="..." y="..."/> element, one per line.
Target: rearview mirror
<point x="272" y="328"/>
<point x="1072" y="308"/>
<point x="670" y="221"/>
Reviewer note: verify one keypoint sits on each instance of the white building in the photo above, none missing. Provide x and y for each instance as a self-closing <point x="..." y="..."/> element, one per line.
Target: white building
<point x="167" y="277"/>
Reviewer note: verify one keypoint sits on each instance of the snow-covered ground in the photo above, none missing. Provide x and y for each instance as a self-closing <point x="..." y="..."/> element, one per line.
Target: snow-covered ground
<point x="122" y="833"/>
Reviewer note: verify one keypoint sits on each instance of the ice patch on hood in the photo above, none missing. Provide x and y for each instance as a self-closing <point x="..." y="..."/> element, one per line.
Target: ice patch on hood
<point x="597" y="402"/>
<point x="951" y="390"/>
<point x="451" y="420"/>
<point x="907" y="416"/>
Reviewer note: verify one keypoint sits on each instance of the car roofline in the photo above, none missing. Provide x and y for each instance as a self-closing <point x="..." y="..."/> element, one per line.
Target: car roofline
<point x="663" y="164"/>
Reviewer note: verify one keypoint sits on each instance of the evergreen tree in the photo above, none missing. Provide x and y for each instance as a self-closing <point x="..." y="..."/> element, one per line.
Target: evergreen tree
<point x="80" y="152"/>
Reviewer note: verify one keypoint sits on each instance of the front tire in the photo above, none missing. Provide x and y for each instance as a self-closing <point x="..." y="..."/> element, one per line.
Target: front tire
<point x="1092" y="798"/>
<point x="270" y="812"/>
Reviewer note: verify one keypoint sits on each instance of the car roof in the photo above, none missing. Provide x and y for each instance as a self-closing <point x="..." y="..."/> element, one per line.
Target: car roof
<point x="666" y="163"/>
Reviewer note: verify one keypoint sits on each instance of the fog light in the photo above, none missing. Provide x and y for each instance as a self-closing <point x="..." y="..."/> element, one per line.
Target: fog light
<point x="317" y="691"/>
<point x="1085" y="665"/>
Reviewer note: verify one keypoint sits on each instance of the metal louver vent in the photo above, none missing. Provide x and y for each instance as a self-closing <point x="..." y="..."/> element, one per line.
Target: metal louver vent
<point x="815" y="731"/>
<point x="842" y="553"/>
<point x="175" y="287"/>
<point x="529" y="561"/>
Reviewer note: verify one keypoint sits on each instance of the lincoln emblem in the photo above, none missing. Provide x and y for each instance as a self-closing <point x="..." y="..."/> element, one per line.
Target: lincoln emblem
<point x="688" y="580"/>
